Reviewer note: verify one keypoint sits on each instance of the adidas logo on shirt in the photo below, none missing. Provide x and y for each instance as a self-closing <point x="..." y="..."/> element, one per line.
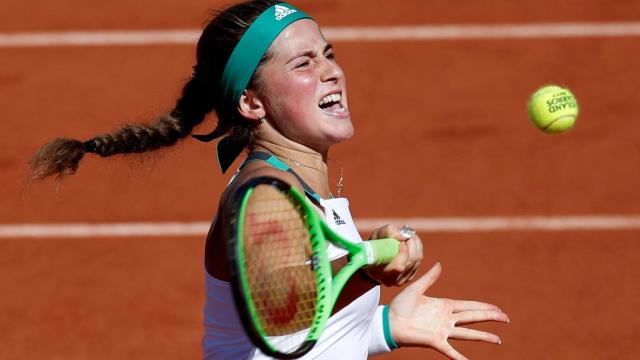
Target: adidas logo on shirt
<point x="337" y="219"/>
<point x="282" y="12"/>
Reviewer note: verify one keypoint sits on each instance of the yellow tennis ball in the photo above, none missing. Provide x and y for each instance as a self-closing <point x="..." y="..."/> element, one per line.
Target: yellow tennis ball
<point x="553" y="109"/>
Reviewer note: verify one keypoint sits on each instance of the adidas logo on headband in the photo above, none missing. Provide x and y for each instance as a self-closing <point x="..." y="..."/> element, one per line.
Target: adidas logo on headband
<point x="282" y="12"/>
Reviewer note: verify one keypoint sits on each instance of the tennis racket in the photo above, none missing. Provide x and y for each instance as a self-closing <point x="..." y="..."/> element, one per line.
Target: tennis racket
<point x="281" y="275"/>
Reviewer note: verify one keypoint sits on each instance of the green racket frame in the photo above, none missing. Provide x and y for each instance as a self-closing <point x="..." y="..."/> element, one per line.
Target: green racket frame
<point x="372" y="252"/>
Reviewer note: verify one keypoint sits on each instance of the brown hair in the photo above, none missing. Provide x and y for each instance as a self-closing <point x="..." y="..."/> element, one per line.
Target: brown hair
<point x="200" y="96"/>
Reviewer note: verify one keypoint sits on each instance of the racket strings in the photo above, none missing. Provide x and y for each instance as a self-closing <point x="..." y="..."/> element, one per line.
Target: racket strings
<point x="280" y="276"/>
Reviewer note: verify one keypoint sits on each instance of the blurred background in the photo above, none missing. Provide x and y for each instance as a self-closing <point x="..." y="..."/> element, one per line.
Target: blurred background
<point x="441" y="134"/>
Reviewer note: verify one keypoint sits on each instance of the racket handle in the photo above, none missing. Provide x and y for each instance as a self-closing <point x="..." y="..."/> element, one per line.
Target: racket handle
<point x="381" y="251"/>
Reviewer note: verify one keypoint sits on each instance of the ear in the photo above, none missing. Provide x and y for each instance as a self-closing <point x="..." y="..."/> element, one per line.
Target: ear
<point x="250" y="106"/>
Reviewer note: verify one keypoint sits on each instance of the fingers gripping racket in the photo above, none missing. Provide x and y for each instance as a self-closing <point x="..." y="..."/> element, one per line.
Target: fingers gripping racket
<point x="281" y="275"/>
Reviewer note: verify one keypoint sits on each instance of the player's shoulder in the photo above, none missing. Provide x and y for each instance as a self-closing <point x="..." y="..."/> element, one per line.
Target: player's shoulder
<point x="262" y="169"/>
<point x="259" y="169"/>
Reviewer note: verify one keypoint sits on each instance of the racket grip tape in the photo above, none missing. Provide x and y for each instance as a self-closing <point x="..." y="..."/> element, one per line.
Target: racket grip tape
<point x="381" y="251"/>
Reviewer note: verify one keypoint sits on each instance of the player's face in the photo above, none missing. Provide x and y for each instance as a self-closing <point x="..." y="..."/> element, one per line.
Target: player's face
<point x="304" y="89"/>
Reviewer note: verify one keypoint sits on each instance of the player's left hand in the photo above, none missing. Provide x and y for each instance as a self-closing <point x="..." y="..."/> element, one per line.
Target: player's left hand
<point x="422" y="321"/>
<point x="405" y="265"/>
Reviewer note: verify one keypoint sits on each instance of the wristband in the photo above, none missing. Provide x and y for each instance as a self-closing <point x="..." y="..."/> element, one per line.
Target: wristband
<point x="387" y="329"/>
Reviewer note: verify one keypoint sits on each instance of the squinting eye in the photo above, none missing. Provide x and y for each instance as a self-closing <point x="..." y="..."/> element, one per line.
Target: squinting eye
<point x="302" y="64"/>
<point x="331" y="56"/>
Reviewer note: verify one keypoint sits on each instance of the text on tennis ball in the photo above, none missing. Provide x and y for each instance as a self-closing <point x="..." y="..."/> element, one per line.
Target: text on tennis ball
<point x="561" y="101"/>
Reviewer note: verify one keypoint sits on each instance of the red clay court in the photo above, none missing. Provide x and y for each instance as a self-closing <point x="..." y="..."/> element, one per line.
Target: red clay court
<point x="443" y="118"/>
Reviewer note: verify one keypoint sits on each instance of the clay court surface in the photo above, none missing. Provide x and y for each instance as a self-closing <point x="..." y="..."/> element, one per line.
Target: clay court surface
<point x="443" y="122"/>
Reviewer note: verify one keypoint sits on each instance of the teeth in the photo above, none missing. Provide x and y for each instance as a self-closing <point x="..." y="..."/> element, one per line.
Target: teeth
<point x="330" y="98"/>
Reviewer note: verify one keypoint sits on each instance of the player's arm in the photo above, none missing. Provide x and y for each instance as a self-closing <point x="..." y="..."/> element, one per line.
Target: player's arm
<point x="215" y="249"/>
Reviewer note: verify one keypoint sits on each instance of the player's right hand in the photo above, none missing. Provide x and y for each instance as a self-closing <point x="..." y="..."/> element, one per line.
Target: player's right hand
<point x="406" y="263"/>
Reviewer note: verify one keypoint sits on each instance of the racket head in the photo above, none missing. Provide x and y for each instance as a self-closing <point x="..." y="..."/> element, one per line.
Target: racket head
<point x="280" y="271"/>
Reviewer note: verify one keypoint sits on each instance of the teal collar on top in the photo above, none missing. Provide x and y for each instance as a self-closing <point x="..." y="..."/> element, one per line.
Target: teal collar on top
<point x="252" y="46"/>
<point x="281" y="165"/>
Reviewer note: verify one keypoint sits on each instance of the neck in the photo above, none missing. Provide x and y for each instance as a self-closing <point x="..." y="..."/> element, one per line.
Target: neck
<point x="308" y="163"/>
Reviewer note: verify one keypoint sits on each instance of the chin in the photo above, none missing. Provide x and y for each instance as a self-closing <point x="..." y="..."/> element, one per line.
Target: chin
<point x="345" y="133"/>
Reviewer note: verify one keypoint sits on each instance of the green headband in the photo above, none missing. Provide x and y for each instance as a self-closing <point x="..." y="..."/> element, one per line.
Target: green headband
<point x="252" y="46"/>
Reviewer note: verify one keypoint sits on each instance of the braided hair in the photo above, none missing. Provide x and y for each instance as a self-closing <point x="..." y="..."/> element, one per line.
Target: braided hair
<point x="200" y="96"/>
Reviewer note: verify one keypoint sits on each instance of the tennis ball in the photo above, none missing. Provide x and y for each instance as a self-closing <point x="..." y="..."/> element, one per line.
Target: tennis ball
<point x="553" y="109"/>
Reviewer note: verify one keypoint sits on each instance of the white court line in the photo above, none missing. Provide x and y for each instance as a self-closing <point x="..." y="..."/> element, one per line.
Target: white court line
<point x="446" y="225"/>
<point x="365" y="33"/>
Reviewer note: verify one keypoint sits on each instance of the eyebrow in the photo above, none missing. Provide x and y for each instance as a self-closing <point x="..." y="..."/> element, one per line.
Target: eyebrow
<point x="309" y="53"/>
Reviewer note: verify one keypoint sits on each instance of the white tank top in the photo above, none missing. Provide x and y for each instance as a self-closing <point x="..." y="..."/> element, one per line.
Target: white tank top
<point x="346" y="335"/>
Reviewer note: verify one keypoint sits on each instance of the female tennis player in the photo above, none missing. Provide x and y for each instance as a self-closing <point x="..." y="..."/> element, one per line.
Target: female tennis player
<point x="278" y="92"/>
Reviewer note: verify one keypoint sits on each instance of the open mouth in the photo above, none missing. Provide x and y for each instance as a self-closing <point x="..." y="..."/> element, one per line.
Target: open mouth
<point x="332" y="104"/>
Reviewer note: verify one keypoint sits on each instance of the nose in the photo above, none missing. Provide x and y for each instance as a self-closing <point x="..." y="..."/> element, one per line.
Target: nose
<point x="331" y="71"/>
